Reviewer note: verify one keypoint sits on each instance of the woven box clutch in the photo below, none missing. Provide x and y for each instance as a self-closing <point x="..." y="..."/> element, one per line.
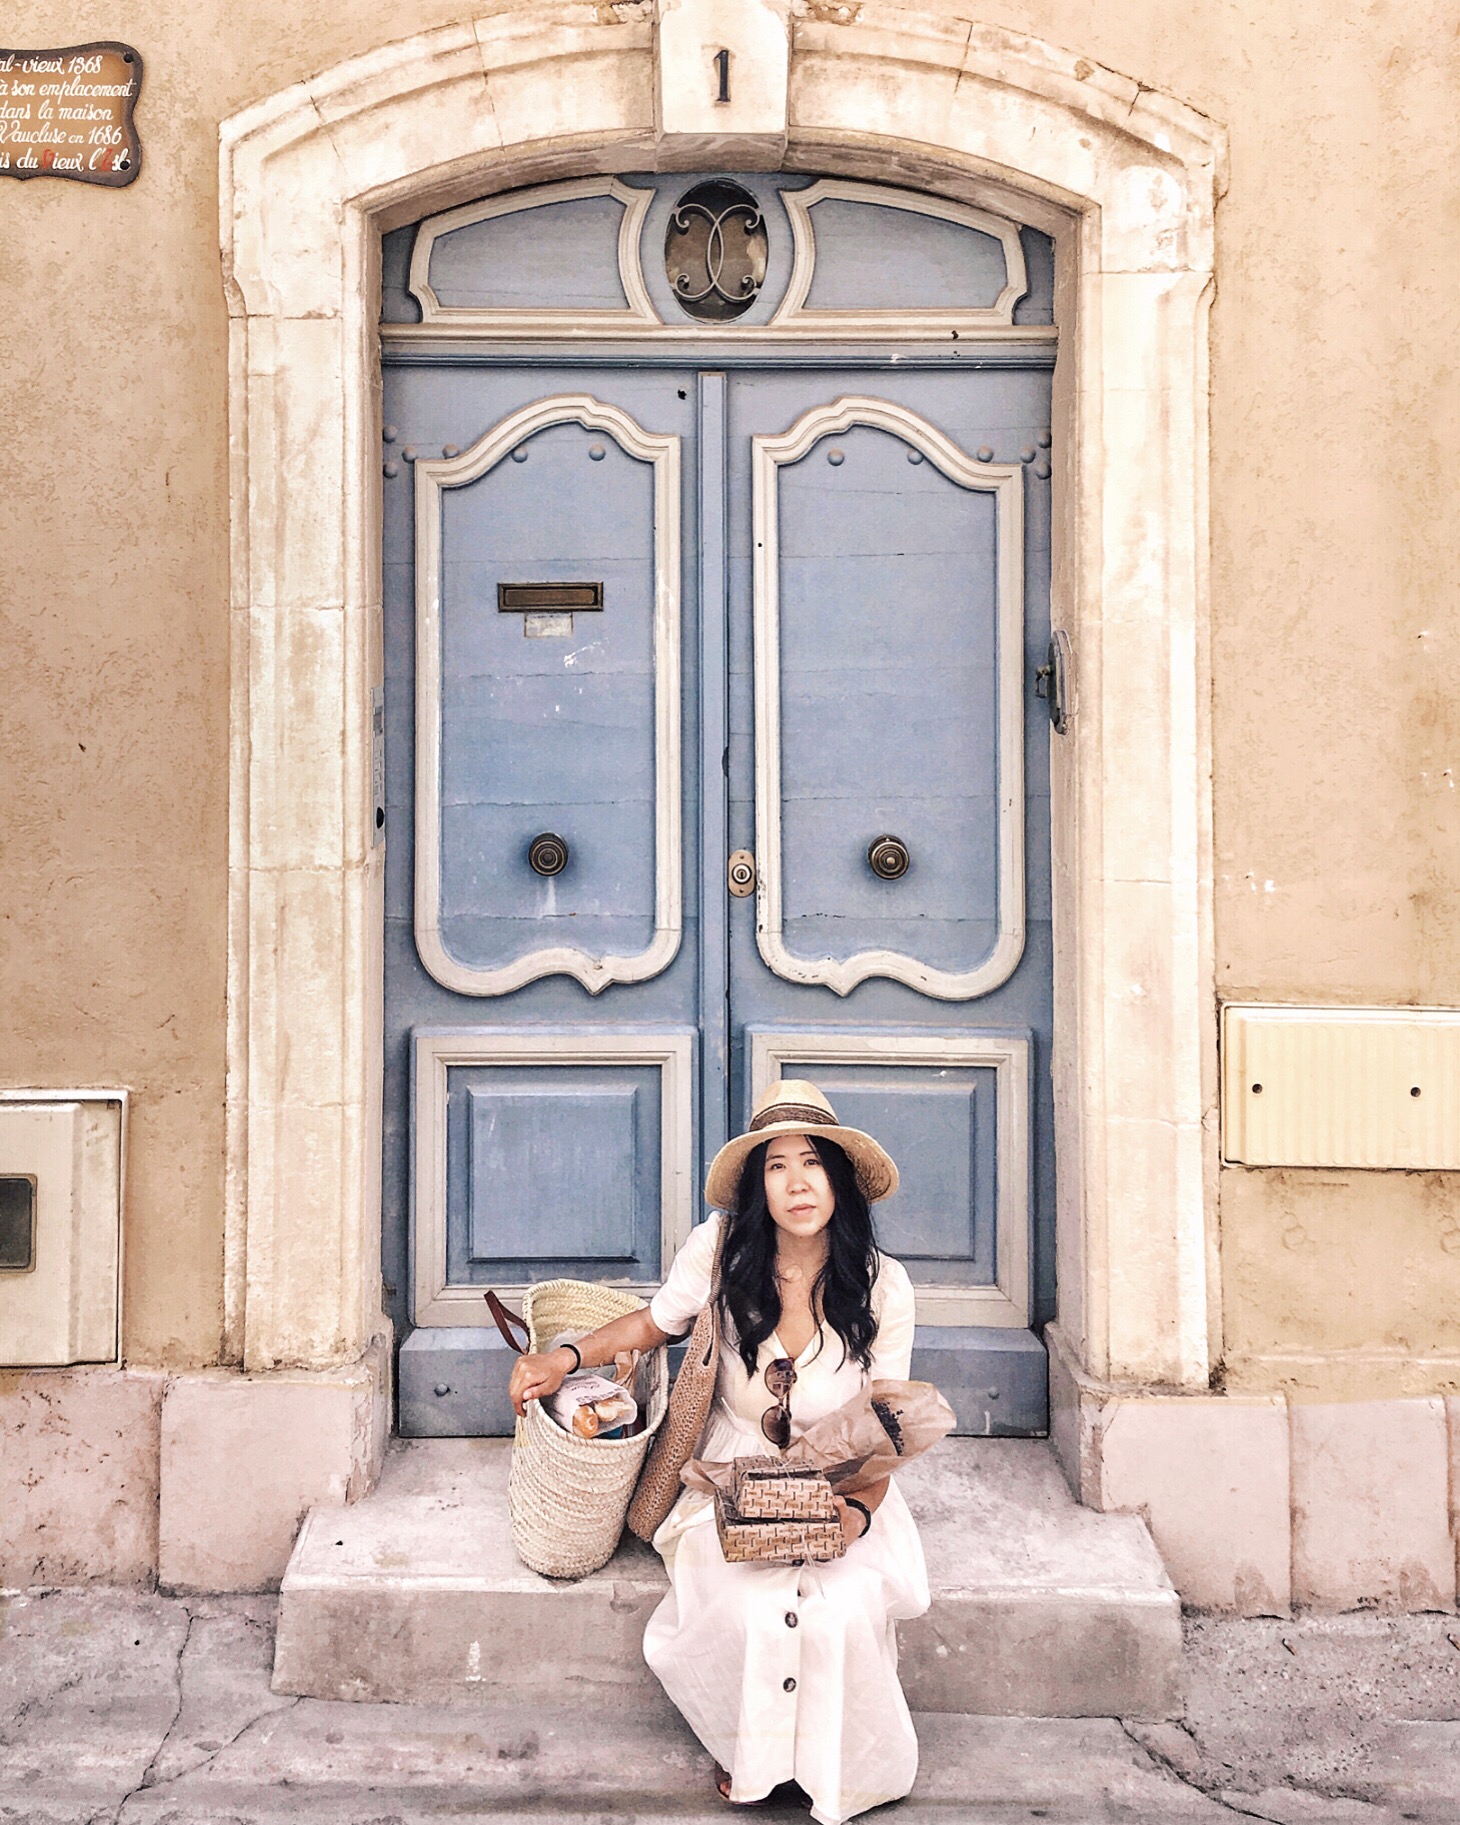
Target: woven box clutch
<point x="769" y="1489"/>
<point x="812" y="1531"/>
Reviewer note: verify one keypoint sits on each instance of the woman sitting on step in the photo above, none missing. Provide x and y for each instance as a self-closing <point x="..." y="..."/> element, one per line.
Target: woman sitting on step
<point x="785" y="1672"/>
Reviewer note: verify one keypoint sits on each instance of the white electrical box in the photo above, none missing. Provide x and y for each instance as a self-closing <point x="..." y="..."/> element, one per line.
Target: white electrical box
<point x="1375" y="1088"/>
<point x="60" y="1229"/>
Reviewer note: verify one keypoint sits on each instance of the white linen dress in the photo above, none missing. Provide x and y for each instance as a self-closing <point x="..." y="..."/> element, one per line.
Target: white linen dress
<point x="788" y="1672"/>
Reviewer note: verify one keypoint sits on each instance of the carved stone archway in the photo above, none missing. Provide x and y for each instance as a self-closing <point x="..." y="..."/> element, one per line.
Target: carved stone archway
<point x="1125" y="179"/>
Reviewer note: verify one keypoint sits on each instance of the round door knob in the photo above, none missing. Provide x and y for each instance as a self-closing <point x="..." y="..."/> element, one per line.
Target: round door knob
<point x="548" y="854"/>
<point x="888" y="857"/>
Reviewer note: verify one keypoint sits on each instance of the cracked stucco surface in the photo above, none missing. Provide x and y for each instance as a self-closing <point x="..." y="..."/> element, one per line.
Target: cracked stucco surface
<point x="118" y="1709"/>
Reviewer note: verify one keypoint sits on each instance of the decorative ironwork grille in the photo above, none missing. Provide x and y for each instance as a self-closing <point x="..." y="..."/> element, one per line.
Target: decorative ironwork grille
<point x="715" y="251"/>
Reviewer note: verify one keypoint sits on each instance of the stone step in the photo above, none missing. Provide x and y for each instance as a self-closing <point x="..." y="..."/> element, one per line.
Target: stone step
<point x="1040" y="1607"/>
<point x="452" y="1380"/>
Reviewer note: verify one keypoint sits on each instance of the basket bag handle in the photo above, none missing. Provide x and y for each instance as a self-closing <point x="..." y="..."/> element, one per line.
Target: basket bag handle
<point x="504" y="1320"/>
<point x="690" y="1401"/>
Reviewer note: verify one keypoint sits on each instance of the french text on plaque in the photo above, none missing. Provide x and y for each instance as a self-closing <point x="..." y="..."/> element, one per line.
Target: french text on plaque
<point x="68" y="113"/>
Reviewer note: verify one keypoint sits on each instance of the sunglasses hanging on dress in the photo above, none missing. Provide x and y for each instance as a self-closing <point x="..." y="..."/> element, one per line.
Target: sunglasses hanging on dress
<point x="775" y="1422"/>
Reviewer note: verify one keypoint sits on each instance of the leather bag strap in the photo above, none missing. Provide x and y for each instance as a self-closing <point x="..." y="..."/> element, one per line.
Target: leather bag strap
<point x="504" y="1320"/>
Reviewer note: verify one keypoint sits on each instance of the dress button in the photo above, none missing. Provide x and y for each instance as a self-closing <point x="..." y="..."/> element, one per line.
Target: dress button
<point x="788" y="1685"/>
<point x="791" y="1619"/>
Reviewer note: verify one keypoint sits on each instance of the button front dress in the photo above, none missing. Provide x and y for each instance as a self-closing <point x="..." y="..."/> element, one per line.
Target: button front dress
<point x="789" y="1672"/>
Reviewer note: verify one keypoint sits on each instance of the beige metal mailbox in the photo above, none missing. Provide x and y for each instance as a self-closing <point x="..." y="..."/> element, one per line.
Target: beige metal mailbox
<point x="60" y="1228"/>
<point x="1375" y="1088"/>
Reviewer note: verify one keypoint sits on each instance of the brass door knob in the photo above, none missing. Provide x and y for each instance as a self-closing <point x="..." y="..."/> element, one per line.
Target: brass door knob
<point x="548" y="854"/>
<point x="888" y="858"/>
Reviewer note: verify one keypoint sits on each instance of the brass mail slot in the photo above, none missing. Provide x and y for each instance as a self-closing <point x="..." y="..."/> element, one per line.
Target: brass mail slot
<point x="549" y="598"/>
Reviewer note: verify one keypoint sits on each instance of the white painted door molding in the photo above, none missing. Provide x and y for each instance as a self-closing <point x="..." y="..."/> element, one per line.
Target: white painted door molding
<point x="1006" y="1303"/>
<point x="542" y="319"/>
<point x="1005" y="481"/>
<point x="438" y="473"/>
<point x="437" y="1299"/>
<point x="794" y="319"/>
<point x="793" y="311"/>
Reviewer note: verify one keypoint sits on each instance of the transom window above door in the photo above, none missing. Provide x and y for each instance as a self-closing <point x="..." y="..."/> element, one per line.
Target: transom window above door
<point x="759" y="255"/>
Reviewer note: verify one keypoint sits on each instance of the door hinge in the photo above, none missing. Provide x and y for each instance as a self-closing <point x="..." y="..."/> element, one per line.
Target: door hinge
<point x="740" y="873"/>
<point x="1052" y="680"/>
<point x="377" y="765"/>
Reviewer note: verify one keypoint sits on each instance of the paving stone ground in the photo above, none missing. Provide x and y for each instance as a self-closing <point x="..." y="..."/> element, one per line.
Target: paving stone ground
<point x="124" y="1709"/>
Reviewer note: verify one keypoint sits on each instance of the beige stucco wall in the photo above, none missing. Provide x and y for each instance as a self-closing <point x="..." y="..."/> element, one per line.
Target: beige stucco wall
<point x="1335" y="737"/>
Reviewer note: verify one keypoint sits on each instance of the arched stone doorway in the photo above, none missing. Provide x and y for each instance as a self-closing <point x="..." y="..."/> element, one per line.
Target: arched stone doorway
<point x="1124" y="180"/>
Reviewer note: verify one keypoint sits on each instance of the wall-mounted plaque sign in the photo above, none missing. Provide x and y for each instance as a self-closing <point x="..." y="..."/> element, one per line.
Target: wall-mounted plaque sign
<point x="68" y="113"/>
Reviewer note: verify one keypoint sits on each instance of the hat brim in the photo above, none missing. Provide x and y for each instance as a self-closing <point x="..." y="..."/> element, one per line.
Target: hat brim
<point x="876" y="1173"/>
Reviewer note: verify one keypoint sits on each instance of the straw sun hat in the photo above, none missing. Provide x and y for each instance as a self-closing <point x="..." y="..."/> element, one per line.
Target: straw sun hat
<point x="792" y="1106"/>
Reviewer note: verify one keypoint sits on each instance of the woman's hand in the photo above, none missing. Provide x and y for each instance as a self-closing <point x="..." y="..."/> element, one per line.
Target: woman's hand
<point x="536" y="1377"/>
<point x="854" y="1522"/>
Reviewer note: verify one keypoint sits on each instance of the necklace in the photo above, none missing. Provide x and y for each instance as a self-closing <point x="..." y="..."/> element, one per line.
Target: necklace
<point x="792" y="1274"/>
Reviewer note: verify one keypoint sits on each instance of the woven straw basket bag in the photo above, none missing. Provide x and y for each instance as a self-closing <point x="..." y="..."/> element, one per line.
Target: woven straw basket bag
<point x="690" y="1400"/>
<point x="567" y="1496"/>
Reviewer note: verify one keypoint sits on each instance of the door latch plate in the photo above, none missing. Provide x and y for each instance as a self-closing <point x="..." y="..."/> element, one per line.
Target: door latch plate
<point x="1052" y="680"/>
<point x="740" y="874"/>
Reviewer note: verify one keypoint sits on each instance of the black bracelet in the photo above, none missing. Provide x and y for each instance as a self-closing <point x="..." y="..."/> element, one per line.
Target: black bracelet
<point x="577" y="1356"/>
<point x="862" y="1509"/>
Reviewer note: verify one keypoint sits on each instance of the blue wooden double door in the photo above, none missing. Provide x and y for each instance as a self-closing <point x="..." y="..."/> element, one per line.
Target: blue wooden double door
<point x="713" y="755"/>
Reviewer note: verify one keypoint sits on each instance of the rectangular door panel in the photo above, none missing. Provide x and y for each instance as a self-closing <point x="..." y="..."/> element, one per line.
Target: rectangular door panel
<point x="518" y="619"/>
<point x="867" y="519"/>
<point x="562" y="1158"/>
<point x="546" y="1152"/>
<point x="954" y="1114"/>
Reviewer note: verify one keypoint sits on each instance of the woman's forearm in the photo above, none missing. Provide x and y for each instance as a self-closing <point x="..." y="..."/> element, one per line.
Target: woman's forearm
<point x="536" y="1377"/>
<point x="634" y="1331"/>
<point x="875" y="1494"/>
<point x="863" y="1505"/>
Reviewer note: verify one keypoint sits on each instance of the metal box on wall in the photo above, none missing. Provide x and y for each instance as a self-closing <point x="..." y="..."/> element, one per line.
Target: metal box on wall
<point x="1367" y="1088"/>
<point x="60" y="1228"/>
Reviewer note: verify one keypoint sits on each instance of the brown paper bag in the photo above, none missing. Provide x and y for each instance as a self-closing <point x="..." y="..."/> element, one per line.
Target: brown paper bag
<point x="884" y="1427"/>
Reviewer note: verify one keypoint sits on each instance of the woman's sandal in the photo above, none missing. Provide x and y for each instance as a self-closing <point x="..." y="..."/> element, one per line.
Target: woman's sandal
<point x="724" y="1782"/>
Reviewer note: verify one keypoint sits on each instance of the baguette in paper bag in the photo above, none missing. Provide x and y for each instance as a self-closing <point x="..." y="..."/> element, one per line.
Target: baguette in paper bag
<point x="884" y="1427"/>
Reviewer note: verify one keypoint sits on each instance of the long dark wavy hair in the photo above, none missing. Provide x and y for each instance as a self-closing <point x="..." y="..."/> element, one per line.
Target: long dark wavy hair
<point x="841" y="1293"/>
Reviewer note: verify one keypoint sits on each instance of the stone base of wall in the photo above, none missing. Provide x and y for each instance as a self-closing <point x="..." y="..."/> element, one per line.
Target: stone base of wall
<point x="78" y="1475"/>
<point x="194" y="1481"/>
<point x="1260" y="1503"/>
